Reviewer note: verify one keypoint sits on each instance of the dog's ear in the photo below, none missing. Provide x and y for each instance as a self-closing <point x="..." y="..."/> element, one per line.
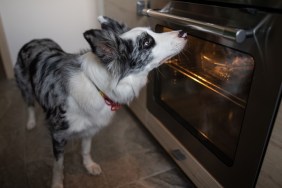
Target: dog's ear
<point x="112" y="25"/>
<point x="103" y="44"/>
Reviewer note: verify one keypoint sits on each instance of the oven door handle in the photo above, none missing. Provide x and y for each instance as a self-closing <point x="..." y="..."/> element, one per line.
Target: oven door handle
<point x="238" y="35"/>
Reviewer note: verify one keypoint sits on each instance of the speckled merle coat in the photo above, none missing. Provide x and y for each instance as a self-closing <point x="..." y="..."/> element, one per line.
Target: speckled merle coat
<point x="67" y="85"/>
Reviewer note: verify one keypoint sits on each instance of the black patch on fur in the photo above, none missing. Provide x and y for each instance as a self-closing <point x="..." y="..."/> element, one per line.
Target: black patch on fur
<point x="42" y="71"/>
<point x="121" y="57"/>
<point x="58" y="145"/>
<point x="145" y="42"/>
<point x="103" y="44"/>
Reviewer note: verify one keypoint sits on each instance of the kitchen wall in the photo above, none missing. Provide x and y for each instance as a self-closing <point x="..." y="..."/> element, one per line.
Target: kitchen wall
<point x="5" y="58"/>
<point x="62" y="20"/>
<point x="124" y="11"/>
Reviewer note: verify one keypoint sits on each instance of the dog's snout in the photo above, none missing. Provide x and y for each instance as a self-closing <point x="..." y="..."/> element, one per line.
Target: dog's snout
<point x="182" y="34"/>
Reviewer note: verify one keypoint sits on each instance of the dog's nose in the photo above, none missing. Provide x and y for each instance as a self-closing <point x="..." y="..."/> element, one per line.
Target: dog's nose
<point x="182" y="34"/>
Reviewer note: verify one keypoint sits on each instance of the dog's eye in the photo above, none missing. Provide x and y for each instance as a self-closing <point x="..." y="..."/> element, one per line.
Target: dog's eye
<point x="147" y="42"/>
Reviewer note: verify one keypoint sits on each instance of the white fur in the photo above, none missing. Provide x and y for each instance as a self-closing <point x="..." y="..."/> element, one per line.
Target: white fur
<point x="166" y="43"/>
<point x="87" y="111"/>
<point x="92" y="167"/>
<point x="58" y="175"/>
<point x="101" y="19"/>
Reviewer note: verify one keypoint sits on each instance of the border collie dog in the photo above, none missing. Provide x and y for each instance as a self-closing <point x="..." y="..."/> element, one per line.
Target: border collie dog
<point x="80" y="92"/>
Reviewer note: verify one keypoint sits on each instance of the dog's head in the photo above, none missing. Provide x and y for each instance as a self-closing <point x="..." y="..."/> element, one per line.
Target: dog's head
<point x="125" y="51"/>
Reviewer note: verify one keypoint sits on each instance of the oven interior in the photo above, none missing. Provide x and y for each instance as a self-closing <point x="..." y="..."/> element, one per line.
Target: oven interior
<point x="206" y="89"/>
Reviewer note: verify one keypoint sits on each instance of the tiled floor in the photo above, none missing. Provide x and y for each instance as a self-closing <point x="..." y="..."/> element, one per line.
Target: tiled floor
<point x="128" y="155"/>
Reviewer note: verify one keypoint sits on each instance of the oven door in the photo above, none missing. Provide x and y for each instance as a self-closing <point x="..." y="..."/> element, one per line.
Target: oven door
<point x="215" y="96"/>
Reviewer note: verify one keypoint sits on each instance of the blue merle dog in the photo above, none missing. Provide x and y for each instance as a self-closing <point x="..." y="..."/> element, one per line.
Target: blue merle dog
<point x="80" y="92"/>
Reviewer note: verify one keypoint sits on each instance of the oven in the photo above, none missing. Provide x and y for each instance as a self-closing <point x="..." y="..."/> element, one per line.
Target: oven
<point x="220" y="95"/>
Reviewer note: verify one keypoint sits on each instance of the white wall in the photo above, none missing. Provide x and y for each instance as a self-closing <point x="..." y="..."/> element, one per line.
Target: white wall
<point x="61" y="20"/>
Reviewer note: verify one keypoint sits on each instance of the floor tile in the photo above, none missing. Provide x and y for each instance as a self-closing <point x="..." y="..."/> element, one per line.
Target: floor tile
<point x="39" y="173"/>
<point x="11" y="149"/>
<point x="76" y="175"/>
<point x="38" y="144"/>
<point x="85" y="181"/>
<point x="133" y="185"/>
<point x="172" y="178"/>
<point x="129" y="156"/>
<point x="13" y="177"/>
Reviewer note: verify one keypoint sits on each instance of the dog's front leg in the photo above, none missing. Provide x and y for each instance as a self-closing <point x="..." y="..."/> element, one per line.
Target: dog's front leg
<point x="92" y="167"/>
<point x="58" y="174"/>
<point x="58" y="166"/>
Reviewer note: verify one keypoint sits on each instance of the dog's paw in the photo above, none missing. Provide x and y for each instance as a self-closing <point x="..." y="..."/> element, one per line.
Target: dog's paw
<point x="30" y="124"/>
<point x="94" y="169"/>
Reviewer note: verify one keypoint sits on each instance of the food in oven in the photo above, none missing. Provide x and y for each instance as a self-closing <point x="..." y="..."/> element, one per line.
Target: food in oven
<point x="225" y="64"/>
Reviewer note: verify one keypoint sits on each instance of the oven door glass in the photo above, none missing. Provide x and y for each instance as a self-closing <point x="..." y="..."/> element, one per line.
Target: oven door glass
<point x="206" y="89"/>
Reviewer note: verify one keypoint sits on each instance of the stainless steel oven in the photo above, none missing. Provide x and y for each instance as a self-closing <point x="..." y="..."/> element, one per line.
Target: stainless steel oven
<point x="219" y="96"/>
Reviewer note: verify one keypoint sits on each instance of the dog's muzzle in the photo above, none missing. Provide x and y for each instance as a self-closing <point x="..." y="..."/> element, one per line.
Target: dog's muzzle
<point x="182" y="34"/>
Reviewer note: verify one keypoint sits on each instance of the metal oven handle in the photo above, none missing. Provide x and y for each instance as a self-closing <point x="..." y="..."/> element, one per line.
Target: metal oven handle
<point x="238" y="35"/>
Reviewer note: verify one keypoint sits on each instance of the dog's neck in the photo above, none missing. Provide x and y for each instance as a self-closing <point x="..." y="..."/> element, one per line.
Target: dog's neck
<point x="121" y="91"/>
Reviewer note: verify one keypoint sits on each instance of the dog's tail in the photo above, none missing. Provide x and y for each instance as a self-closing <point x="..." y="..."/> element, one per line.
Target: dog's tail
<point x="22" y="76"/>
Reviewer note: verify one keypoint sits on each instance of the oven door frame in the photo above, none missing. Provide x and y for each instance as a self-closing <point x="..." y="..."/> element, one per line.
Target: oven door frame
<point x="260" y="112"/>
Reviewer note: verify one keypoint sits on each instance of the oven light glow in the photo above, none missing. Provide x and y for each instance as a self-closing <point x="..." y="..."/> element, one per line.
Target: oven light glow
<point x="206" y="83"/>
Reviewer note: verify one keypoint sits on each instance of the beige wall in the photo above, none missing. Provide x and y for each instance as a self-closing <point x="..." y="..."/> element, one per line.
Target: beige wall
<point x="62" y="20"/>
<point x="6" y="62"/>
<point x="124" y="11"/>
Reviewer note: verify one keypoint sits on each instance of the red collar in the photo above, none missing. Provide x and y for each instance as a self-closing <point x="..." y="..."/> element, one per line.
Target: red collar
<point x="114" y="105"/>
